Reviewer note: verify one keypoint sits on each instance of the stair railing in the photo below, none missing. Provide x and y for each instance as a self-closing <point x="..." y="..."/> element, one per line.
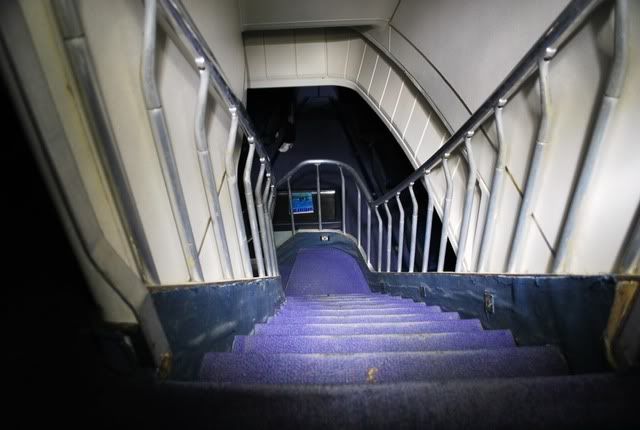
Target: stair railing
<point x="177" y="22"/>
<point x="361" y="190"/>
<point x="536" y="60"/>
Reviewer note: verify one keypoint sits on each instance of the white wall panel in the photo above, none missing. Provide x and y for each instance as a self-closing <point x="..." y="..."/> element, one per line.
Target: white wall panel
<point x="404" y="108"/>
<point x="354" y="60"/>
<point x="281" y="55"/>
<point x="417" y="126"/>
<point x="311" y="49"/>
<point x="118" y="68"/>
<point x="260" y="14"/>
<point x="379" y="82"/>
<point x="61" y="84"/>
<point x="255" y="56"/>
<point x="113" y="29"/>
<point x="337" y="51"/>
<point x="369" y="63"/>
<point x="390" y="99"/>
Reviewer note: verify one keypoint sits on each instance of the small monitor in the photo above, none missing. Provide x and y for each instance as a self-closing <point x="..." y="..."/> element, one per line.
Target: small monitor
<point x="302" y="203"/>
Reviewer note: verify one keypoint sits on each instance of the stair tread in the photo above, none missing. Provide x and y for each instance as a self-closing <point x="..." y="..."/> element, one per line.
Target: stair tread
<point x="381" y="367"/>
<point x="346" y="299"/>
<point x="320" y="319"/>
<point x="370" y="328"/>
<point x="361" y="311"/>
<point x="375" y="342"/>
<point x="382" y="305"/>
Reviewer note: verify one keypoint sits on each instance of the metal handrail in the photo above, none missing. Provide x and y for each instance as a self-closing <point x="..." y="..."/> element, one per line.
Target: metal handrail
<point x="535" y="60"/>
<point x="181" y="23"/>
<point x="570" y="18"/>
<point x="361" y="189"/>
<point x="339" y="164"/>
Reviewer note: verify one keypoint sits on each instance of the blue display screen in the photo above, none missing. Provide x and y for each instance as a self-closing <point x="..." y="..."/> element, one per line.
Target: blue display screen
<point x="302" y="203"/>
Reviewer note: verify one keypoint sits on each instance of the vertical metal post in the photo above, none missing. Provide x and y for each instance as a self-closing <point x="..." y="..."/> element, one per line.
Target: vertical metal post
<point x="272" y="201"/>
<point x="318" y="196"/>
<point x="232" y="185"/>
<point x="427" y="232"/>
<point x="359" y="212"/>
<point x="344" y="202"/>
<point x="389" y="234"/>
<point x="446" y="212"/>
<point x="379" y="262"/>
<point x="496" y="190"/>
<point x="531" y="190"/>
<point x="293" y="222"/>
<point x="414" y="228"/>
<point x="268" y="224"/>
<point x="468" y="202"/>
<point x="261" y="217"/>
<point x="400" y="232"/>
<point x="206" y="172"/>
<point x="368" y="234"/>
<point x="251" y="208"/>
<point x="562" y="260"/>
<point x="268" y="197"/>
<point x="164" y="148"/>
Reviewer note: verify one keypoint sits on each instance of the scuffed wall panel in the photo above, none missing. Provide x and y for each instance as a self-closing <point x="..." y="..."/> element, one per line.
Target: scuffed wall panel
<point x="118" y="68"/>
<point x="113" y="30"/>
<point x="256" y="56"/>
<point x="311" y="53"/>
<point x="379" y="80"/>
<point x="280" y="55"/>
<point x="337" y="51"/>
<point x="365" y="74"/>
<point x="261" y="15"/>
<point x="61" y="83"/>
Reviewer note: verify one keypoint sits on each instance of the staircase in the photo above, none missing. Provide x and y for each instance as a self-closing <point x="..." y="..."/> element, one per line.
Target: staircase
<point x="350" y="335"/>
<point x="368" y="339"/>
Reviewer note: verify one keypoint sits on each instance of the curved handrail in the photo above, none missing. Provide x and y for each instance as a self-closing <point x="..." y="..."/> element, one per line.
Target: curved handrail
<point x="178" y="18"/>
<point x="572" y="16"/>
<point x="360" y="182"/>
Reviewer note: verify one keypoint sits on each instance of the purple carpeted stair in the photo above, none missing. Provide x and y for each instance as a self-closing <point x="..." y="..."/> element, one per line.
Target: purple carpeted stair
<point x="332" y="330"/>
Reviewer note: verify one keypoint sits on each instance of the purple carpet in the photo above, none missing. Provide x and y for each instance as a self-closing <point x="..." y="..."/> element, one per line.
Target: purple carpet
<point x="333" y="330"/>
<point x="325" y="271"/>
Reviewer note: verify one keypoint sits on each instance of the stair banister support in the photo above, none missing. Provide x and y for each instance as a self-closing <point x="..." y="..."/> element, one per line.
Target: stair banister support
<point x="368" y="234"/>
<point x="531" y="189"/>
<point x="562" y="260"/>
<point x="293" y="222"/>
<point x="427" y="231"/>
<point x="164" y="148"/>
<point x="379" y="262"/>
<point x="261" y="217"/>
<point x="468" y="202"/>
<point x="208" y="177"/>
<point x="270" y="207"/>
<point x="251" y="208"/>
<point x="359" y="212"/>
<point x="414" y="228"/>
<point x="343" y="199"/>
<point x="267" y="223"/>
<point x="232" y="185"/>
<point x="389" y="234"/>
<point x="496" y="190"/>
<point x="400" y="232"/>
<point x="318" y="196"/>
<point x="448" y="199"/>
